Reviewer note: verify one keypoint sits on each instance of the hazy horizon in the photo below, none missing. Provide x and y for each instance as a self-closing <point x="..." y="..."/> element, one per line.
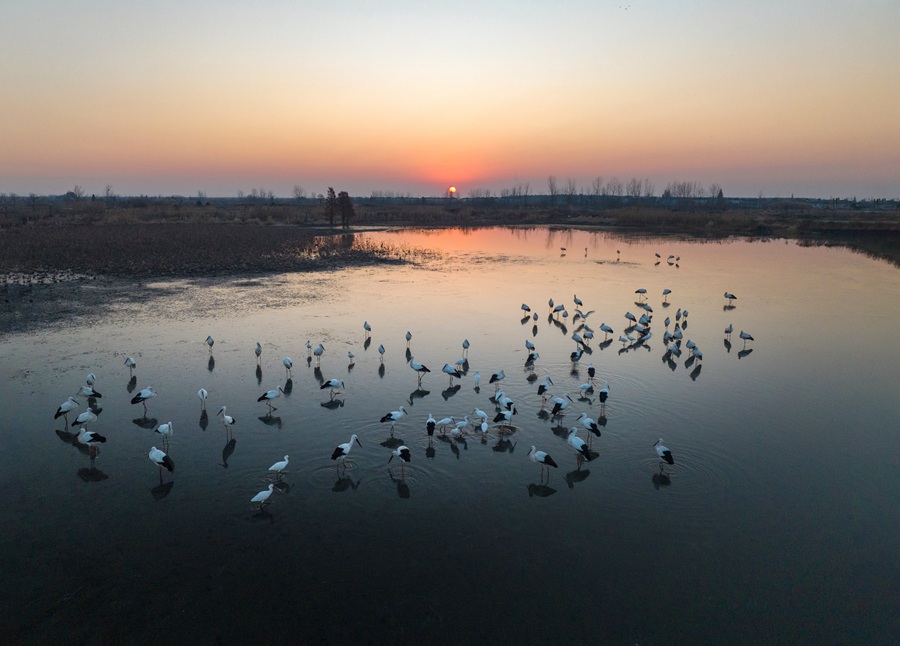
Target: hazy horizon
<point x="771" y="99"/>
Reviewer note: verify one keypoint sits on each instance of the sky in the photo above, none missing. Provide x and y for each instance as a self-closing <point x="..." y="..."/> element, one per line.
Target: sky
<point x="176" y="97"/>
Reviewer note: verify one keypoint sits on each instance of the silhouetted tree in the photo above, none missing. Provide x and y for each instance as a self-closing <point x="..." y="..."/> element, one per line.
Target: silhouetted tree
<point x="331" y="206"/>
<point x="346" y="208"/>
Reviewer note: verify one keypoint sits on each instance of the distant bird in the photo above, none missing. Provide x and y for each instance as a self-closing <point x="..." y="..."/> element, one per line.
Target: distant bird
<point x="202" y="395"/>
<point x="729" y="330"/>
<point x="542" y="458"/>
<point x="631" y="317"/>
<point x="408" y="337"/>
<point x="381" y="352"/>
<point x="87" y="391"/>
<point x="269" y="395"/>
<point x="663" y="452"/>
<point x="90" y="439"/>
<point x="131" y="365"/>
<point x="731" y="297"/>
<point x="350" y="356"/>
<point x="746" y="337"/>
<point x="577" y="300"/>
<point x="641" y="292"/>
<point x="263" y="496"/>
<point x="334" y="384"/>
<point x="308" y="349"/>
<point x="65" y="408"/>
<point x="143" y="396"/>
<point x="603" y="393"/>
<point x="258" y="351"/>
<point x="288" y="364"/>
<point x="367" y="328"/>
<point x="319" y="351"/>
<point x="544" y="386"/>
<point x="607" y="330"/>
<point x="343" y="450"/>
<point x="210" y="342"/>
<point x="496" y="378"/>
<point x="465" y="347"/>
<point x="666" y="293"/>
<point x="430" y="424"/>
<point x="419" y="368"/>
<point x="166" y="431"/>
<point x="559" y="405"/>
<point x="529" y="345"/>
<point x="401" y="452"/>
<point x="580" y="446"/>
<point x="279" y="467"/>
<point x="531" y="358"/>
<point x="451" y="371"/>
<point x="477" y="380"/>
<point x="161" y="460"/>
<point x="393" y="417"/>
<point x="525" y="308"/>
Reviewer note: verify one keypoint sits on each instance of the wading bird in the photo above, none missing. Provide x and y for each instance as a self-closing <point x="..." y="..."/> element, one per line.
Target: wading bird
<point x="143" y="396"/>
<point x="269" y="395"/>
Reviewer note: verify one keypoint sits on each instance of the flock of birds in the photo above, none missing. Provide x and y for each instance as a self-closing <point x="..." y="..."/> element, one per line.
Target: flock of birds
<point x="553" y="406"/>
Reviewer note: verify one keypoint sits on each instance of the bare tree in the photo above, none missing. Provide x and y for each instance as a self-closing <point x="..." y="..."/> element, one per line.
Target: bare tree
<point x="331" y="206"/>
<point x="614" y="187"/>
<point x="634" y="187"/>
<point x="552" y="188"/>
<point x="78" y="192"/>
<point x="648" y="187"/>
<point x="571" y="187"/>
<point x="299" y="193"/>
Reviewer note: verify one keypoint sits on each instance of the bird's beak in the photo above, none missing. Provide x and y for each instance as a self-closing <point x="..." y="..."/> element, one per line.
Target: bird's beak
<point x="391" y="458"/>
<point x="357" y="441"/>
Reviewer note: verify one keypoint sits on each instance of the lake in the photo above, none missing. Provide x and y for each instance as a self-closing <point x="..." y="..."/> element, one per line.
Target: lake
<point x="777" y="521"/>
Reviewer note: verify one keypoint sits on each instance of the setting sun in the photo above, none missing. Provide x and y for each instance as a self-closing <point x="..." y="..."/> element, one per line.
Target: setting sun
<point x="452" y="190"/>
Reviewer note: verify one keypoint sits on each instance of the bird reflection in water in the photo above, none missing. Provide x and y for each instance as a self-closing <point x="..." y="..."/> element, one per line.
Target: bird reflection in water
<point x="573" y="477"/>
<point x="727" y="346"/>
<point x="162" y="490"/>
<point x="204" y="420"/>
<point x="148" y="423"/>
<point x="381" y="370"/>
<point x="332" y="404"/>
<point x="269" y="420"/>
<point x="418" y="393"/>
<point x="132" y="384"/>
<point x="367" y="343"/>
<point x="227" y="451"/>
<point x="661" y="479"/>
<point x="449" y="392"/>
<point x="92" y="474"/>
<point x="430" y="452"/>
<point x="211" y="364"/>
<point x="288" y="386"/>
<point x="392" y="442"/>
<point x="540" y="490"/>
<point x="258" y="375"/>
<point x="345" y="483"/>
<point x="402" y="487"/>
<point x="504" y="445"/>
<point x="744" y="353"/>
<point x="696" y="371"/>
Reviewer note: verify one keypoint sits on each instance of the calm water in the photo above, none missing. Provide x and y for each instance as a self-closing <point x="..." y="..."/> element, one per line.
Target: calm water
<point x="777" y="523"/>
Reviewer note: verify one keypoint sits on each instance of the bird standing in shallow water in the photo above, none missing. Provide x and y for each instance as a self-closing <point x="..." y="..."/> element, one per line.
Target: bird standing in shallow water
<point x="393" y="416"/>
<point x="288" y="364"/>
<point x="263" y="496"/>
<point x="210" y="342"/>
<point x="665" y="455"/>
<point x="131" y="365"/>
<point x="579" y="445"/>
<point x="401" y="452"/>
<point x="543" y="459"/>
<point x="343" y="450"/>
<point x="202" y="395"/>
<point x="161" y="460"/>
<point x="258" y="351"/>
<point x="279" y="467"/>
<point x="65" y="408"/>
<point x="746" y="337"/>
<point x="143" y="396"/>
<point x="269" y="395"/>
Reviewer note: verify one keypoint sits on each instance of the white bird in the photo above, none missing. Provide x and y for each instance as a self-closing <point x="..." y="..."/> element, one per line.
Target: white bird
<point x="381" y="352"/>
<point x="269" y="395"/>
<point x="465" y="347"/>
<point x="288" y="364"/>
<point x="202" y="395"/>
<point x="334" y="384"/>
<point x="542" y="458"/>
<point x="746" y="337"/>
<point x="731" y="297"/>
<point x="479" y="413"/>
<point x="343" y="450"/>
<point x="451" y="371"/>
<point x="279" y="467"/>
<point x="143" y="396"/>
<point x="666" y="293"/>
<point x="408" y="337"/>
<point x="606" y="329"/>
<point x="529" y="345"/>
<point x="90" y="379"/>
<point x="258" y="351"/>
<point x="85" y="418"/>
<point x="642" y="292"/>
<point x="419" y="368"/>
<point x="477" y="379"/>
<point x="729" y="330"/>
<point x="319" y="351"/>
<point x="65" y="408"/>
<point x="308" y="349"/>
<point x="131" y="365"/>
<point x="161" y="460"/>
<point x="367" y="328"/>
<point x="430" y="424"/>
<point x="350" y="356"/>
<point x="496" y="378"/>
<point x="663" y="452"/>
<point x="604" y="393"/>
<point x="263" y="496"/>
<point x="401" y="452"/>
<point x="166" y="430"/>
<point x="90" y="439"/>
<point x="210" y="341"/>
<point x="444" y="423"/>
<point x="227" y="420"/>
<point x="393" y="417"/>
<point x="579" y="445"/>
<point x="559" y="405"/>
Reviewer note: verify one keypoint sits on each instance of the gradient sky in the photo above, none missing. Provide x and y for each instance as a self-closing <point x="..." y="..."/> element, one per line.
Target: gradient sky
<point x="175" y="97"/>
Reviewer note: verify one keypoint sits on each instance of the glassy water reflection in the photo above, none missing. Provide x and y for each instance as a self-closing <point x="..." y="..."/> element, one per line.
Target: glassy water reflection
<point x="776" y="522"/>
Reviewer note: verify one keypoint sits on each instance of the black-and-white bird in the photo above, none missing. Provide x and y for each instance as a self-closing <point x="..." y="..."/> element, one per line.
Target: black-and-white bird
<point x="559" y="405"/>
<point x="542" y="458"/>
<point x="367" y="328"/>
<point x="496" y="378"/>
<point x="258" y="351"/>
<point x="166" y="430"/>
<point x="227" y="420"/>
<point x="729" y="330"/>
<point x="318" y="351"/>
<point x="731" y="297"/>
<point x="143" y="396"/>
<point x="202" y="395"/>
<point x="430" y="425"/>
<point x="84" y="418"/>
<point x="401" y="452"/>
<point x="65" y="408"/>
<point x="603" y="393"/>
<point x="210" y="342"/>
<point x="160" y="459"/>
<point x="393" y="416"/>
<point x="451" y="371"/>
<point x="87" y="391"/>
<point x="663" y="452"/>
<point x="269" y="395"/>
<point x="580" y="446"/>
<point x="343" y="450"/>
<point x="666" y="293"/>
<point x="288" y="364"/>
<point x="90" y="439"/>
<point x="381" y="351"/>
<point x="131" y="364"/>
<point x="333" y="384"/>
<point x="422" y="370"/>
<point x="746" y="337"/>
<point x="408" y="337"/>
<point x="589" y="424"/>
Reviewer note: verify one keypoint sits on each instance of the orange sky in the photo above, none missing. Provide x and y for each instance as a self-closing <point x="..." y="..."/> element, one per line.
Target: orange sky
<point x="176" y="98"/>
